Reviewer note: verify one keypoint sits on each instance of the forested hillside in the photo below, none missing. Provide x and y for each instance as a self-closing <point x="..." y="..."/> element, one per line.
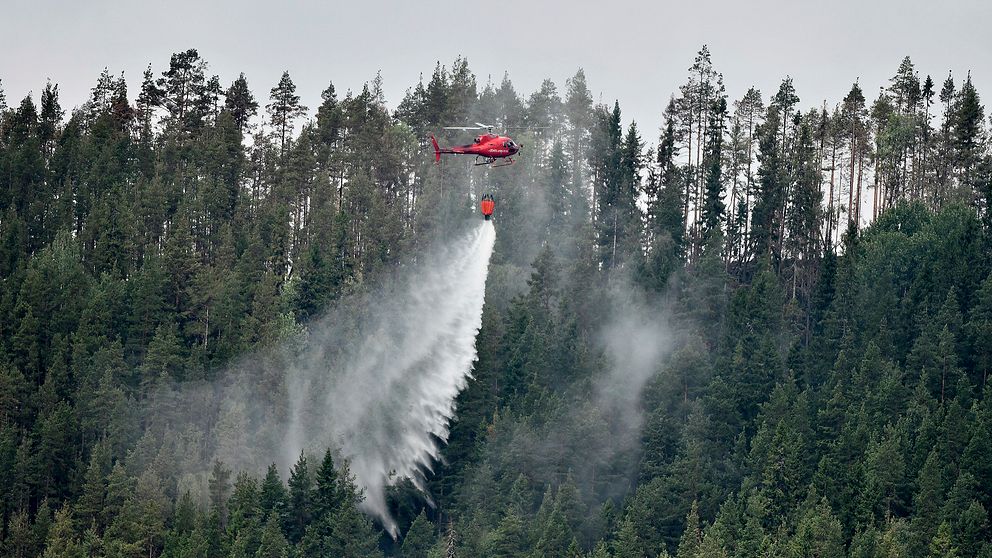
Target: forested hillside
<point x="821" y="273"/>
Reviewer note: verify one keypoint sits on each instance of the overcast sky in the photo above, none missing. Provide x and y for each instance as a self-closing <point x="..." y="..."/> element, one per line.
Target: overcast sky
<point x="634" y="51"/>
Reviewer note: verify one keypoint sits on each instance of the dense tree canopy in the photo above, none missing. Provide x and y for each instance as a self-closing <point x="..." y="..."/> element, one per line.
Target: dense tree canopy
<point x="827" y="270"/>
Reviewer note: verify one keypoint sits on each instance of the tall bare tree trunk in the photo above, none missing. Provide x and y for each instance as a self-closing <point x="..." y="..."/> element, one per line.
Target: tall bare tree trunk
<point x="861" y="168"/>
<point x="749" y="186"/>
<point x="688" y="181"/>
<point x="833" y="170"/>
<point x="850" y="189"/>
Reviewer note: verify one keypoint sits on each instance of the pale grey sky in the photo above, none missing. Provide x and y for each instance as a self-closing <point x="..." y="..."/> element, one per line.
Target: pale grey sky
<point x="634" y="51"/>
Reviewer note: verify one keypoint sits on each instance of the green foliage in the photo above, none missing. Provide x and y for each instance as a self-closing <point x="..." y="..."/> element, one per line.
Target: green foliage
<point x="825" y="395"/>
<point x="419" y="538"/>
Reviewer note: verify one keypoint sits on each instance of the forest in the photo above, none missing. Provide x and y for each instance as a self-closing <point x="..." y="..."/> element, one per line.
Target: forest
<point x="824" y="272"/>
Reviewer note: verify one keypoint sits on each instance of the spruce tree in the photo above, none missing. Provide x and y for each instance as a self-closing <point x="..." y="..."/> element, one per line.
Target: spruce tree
<point x="219" y="486"/>
<point x="967" y="129"/>
<point x="692" y="537"/>
<point x="239" y="100"/>
<point x="713" y="205"/>
<point x="273" y="544"/>
<point x="300" y="508"/>
<point x="327" y="497"/>
<point x="771" y="190"/>
<point x="419" y="538"/>
<point x="62" y="541"/>
<point x="272" y="497"/>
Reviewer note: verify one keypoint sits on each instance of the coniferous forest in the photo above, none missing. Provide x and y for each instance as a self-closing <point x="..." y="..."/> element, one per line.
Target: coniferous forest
<point x="825" y="268"/>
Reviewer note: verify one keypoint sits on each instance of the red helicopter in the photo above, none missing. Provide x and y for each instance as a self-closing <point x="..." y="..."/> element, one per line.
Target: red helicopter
<point x="487" y="148"/>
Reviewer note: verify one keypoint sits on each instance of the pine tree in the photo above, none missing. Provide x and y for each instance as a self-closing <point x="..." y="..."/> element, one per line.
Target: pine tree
<point x="148" y="99"/>
<point x="784" y="100"/>
<point x="578" y="110"/>
<point x="142" y="518"/>
<point x="601" y="551"/>
<point x="55" y="432"/>
<point x="182" y="88"/>
<point x="749" y="111"/>
<point x="901" y="130"/>
<point x="284" y="108"/>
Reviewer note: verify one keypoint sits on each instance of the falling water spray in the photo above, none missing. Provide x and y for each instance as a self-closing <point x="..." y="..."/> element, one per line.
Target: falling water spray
<point x="374" y="380"/>
<point x="385" y="399"/>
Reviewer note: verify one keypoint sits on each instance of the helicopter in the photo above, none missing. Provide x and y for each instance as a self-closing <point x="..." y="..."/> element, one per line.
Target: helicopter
<point x="488" y="148"/>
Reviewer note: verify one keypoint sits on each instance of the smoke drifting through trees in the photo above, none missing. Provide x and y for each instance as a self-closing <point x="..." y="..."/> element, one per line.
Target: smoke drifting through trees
<point x="636" y="337"/>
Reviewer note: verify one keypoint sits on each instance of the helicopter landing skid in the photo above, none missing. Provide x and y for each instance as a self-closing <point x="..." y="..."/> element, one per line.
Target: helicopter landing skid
<point x="491" y="161"/>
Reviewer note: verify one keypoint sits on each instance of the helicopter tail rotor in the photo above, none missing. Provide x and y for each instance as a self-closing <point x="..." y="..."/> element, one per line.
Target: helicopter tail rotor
<point x="437" y="149"/>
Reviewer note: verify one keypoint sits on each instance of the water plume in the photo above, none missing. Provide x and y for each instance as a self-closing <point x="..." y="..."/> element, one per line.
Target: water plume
<point x="380" y="386"/>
